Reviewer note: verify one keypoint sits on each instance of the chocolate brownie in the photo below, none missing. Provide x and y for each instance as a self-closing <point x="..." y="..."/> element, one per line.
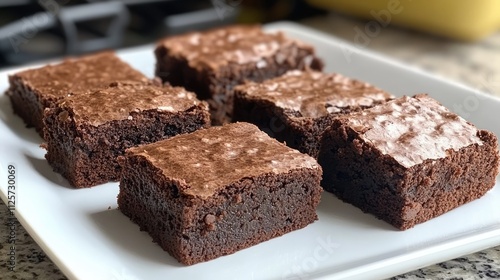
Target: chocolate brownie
<point x="297" y="107"/>
<point x="86" y="132"/>
<point x="408" y="160"/>
<point x="215" y="191"/>
<point x="211" y="63"/>
<point x="33" y="90"/>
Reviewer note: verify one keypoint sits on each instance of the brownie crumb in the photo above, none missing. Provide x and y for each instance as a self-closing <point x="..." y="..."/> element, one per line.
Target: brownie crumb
<point x="237" y="198"/>
<point x="209" y="219"/>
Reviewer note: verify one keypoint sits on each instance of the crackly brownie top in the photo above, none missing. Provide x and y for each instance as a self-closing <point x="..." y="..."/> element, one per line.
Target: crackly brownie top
<point x="121" y="100"/>
<point x="239" y="44"/>
<point x="413" y="129"/>
<point x="207" y="160"/>
<point x="77" y="75"/>
<point x="314" y="94"/>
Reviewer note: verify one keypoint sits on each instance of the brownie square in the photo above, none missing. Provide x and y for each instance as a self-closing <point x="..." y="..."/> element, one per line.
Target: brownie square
<point x="408" y="160"/>
<point x="215" y="191"/>
<point x="33" y="90"/>
<point x="85" y="133"/>
<point x="298" y="106"/>
<point x="211" y="63"/>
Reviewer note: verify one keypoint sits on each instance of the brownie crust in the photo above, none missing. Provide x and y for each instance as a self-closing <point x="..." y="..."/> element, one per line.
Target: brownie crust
<point x="297" y="107"/>
<point x="33" y="90"/>
<point x="211" y="63"/>
<point x="86" y="133"/>
<point x="262" y="189"/>
<point x="376" y="161"/>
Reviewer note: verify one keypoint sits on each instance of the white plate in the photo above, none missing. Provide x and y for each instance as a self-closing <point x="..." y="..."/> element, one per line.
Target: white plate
<point x="88" y="241"/>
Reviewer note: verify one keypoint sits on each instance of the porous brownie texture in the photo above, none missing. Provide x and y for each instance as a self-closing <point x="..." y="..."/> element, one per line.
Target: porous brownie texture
<point x="216" y="191"/>
<point x="297" y="107"/>
<point x="86" y="133"/>
<point x="33" y="90"/>
<point x="211" y="63"/>
<point x="408" y="160"/>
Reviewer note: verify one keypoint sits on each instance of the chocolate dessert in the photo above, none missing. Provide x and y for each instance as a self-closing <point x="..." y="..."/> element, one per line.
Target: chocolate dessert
<point x="297" y="107"/>
<point x="86" y="132"/>
<point x="408" y="160"/>
<point x="211" y="63"/>
<point x="33" y="90"/>
<point x="216" y="191"/>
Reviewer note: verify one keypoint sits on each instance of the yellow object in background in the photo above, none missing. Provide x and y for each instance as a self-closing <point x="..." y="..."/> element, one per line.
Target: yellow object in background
<point x="460" y="19"/>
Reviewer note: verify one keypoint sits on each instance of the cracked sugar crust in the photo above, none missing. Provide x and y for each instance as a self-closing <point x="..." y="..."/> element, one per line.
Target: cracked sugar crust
<point x="79" y="75"/>
<point x="240" y="44"/>
<point x="315" y="94"/>
<point x="414" y="129"/>
<point x="208" y="160"/>
<point x="101" y="106"/>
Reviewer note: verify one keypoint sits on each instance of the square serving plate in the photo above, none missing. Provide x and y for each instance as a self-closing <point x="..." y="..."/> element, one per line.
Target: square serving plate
<point x="87" y="237"/>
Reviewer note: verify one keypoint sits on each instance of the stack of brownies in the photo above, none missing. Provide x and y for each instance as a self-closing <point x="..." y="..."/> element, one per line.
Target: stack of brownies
<point x="203" y="192"/>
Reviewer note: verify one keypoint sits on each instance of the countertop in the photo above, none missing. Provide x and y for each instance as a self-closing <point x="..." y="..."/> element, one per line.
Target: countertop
<point x="475" y="64"/>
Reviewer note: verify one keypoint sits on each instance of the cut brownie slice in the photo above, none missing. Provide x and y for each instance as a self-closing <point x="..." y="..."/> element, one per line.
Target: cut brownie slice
<point x="219" y="190"/>
<point x="213" y="62"/>
<point x="298" y="106"/>
<point x="33" y="90"/>
<point x="408" y="160"/>
<point x="86" y="132"/>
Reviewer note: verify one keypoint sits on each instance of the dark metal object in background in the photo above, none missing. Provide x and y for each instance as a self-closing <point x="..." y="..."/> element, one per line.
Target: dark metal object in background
<point x="39" y="29"/>
<point x="116" y="12"/>
<point x="33" y="30"/>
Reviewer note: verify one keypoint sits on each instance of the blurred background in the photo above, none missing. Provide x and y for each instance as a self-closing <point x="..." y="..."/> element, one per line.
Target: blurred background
<point x="39" y="29"/>
<point x="457" y="38"/>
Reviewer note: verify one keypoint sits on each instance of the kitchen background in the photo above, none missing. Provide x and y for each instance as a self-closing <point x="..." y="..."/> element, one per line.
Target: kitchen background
<point x="33" y="30"/>
<point x="449" y="38"/>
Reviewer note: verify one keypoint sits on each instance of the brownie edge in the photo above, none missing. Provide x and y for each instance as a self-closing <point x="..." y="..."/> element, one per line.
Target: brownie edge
<point x="267" y="190"/>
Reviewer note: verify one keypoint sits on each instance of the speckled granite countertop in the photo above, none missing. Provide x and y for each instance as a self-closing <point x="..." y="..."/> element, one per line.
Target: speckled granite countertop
<point x="477" y="65"/>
